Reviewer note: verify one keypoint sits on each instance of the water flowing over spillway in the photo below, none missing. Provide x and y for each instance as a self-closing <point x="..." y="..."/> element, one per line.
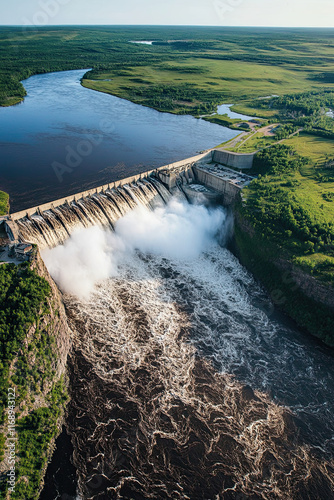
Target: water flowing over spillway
<point x="183" y="383"/>
<point x="53" y="227"/>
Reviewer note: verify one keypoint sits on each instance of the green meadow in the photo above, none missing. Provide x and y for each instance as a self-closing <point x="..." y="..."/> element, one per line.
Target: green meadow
<point x="186" y="70"/>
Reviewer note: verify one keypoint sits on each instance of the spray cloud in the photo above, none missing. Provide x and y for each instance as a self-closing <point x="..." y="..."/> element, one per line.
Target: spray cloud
<point x="176" y="231"/>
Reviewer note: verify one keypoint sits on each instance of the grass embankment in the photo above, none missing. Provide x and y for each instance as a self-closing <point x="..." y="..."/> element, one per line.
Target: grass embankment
<point x="4" y="203"/>
<point x="188" y="84"/>
<point x="27" y="359"/>
<point x="250" y="108"/>
<point x="289" y="211"/>
<point x="253" y="142"/>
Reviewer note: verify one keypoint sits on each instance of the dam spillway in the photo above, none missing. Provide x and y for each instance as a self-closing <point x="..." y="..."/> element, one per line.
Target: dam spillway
<point x="197" y="178"/>
<point x="52" y="227"/>
<point x="181" y="385"/>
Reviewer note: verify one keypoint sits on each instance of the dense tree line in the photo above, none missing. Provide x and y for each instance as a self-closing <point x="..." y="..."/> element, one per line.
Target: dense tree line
<point x="285" y="131"/>
<point x="277" y="160"/>
<point x="35" y="432"/>
<point x="306" y="110"/>
<point x="276" y="212"/>
<point x="24" y="299"/>
<point x="304" y="103"/>
<point x="168" y="97"/>
<point x="4" y="203"/>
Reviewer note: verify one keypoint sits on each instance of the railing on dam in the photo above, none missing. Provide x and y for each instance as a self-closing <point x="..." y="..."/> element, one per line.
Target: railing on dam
<point x="111" y="185"/>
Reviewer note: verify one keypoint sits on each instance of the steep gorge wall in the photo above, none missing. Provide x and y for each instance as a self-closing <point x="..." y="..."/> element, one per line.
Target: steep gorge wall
<point x="38" y="374"/>
<point x="56" y="321"/>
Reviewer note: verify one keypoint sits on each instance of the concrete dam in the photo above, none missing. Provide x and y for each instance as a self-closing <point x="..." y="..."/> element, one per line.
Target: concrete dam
<point x="200" y="179"/>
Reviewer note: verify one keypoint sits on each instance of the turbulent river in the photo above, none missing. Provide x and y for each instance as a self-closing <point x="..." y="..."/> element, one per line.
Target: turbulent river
<point x="185" y="384"/>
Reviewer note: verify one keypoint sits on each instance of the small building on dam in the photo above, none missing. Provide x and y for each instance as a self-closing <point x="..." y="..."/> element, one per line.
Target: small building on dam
<point x="218" y="174"/>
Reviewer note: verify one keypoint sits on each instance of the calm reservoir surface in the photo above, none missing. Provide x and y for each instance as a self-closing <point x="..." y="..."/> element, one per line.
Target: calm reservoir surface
<point x="98" y="138"/>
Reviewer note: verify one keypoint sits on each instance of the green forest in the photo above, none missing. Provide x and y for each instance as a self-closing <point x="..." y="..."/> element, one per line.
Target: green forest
<point x="290" y="207"/>
<point x="4" y="203"/>
<point x="24" y="302"/>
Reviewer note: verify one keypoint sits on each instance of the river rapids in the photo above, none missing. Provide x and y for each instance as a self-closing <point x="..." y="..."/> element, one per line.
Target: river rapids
<point x="185" y="384"/>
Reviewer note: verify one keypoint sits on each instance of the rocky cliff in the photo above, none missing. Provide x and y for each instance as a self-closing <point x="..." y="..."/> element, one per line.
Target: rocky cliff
<point x="306" y="299"/>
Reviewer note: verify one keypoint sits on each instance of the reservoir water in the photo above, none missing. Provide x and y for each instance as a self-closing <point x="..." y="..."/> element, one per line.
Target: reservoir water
<point x="226" y="109"/>
<point x="65" y="138"/>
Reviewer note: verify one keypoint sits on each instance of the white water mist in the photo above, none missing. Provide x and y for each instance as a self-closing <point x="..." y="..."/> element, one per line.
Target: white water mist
<point x="177" y="231"/>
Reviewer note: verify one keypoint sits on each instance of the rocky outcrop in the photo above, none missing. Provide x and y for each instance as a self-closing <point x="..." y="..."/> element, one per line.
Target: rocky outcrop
<point x="38" y="374"/>
<point x="309" y="285"/>
<point x="56" y="320"/>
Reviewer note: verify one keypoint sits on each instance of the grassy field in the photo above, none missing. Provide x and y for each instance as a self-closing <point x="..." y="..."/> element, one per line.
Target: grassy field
<point x="4" y="203"/>
<point x="309" y="190"/>
<point x="235" y="81"/>
<point x="318" y="149"/>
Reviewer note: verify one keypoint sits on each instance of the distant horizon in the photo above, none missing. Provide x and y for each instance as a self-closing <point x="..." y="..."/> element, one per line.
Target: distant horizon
<point x="212" y="13"/>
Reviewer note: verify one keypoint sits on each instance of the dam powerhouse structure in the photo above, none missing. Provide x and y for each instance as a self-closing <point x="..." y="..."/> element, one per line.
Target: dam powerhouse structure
<point x="214" y="176"/>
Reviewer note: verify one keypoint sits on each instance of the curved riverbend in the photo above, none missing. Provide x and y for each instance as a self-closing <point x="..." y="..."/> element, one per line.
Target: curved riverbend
<point x="65" y="138"/>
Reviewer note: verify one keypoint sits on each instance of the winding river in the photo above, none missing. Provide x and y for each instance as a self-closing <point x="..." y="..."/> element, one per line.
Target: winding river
<point x="185" y="384"/>
<point x="65" y="138"/>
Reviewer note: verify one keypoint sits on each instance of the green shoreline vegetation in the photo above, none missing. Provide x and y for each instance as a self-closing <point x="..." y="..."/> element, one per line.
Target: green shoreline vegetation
<point x="28" y="350"/>
<point x="4" y="203"/>
<point x="201" y="68"/>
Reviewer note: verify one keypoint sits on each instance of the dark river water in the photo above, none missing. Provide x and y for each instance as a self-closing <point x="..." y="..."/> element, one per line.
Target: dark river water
<point x="65" y="138"/>
<point x="184" y="381"/>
